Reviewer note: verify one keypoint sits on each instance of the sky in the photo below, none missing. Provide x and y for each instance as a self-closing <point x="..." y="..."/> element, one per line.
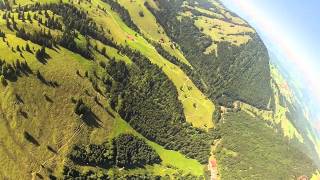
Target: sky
<point x="293" y="20"/>
<point x="291" y="28"/>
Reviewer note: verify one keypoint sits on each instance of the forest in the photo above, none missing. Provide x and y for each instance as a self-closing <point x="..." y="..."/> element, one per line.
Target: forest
<point x="152" y="106"/>
<point x="90" y="91"/>
<point x="125" y="150"/>
<point x="240" y="160"/>
<point x="232" y="72"/>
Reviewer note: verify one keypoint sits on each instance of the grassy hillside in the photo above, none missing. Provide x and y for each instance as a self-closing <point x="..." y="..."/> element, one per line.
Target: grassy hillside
<point x="262" y="156"/>
<point x="35" y="110"/>
<point x="82" y="73"/>
<point x="240" y="71"/>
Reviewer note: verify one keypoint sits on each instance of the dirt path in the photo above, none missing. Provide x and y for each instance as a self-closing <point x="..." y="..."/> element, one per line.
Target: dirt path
<point x="213" y="165"/>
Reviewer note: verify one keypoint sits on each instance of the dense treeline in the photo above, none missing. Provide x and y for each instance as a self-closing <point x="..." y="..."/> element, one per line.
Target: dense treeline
<point x="50" y="21"/>
<point x="13" y="71"/>
<point x="259" y="153"/>
<point x="116" y="174"/>
<point x="297" y="117"/>
<point x="142" y="176"/>
<point x="123" y="13"/>
<point x="70" y="173"/>
<point x="73" y="20"/>
<point x="239" y="72"/>
<point x="133" y="152"/>
<point x="125" y="150"/>
<point x="42" y="37"/>
<point x="145" y="97"/>
<point x="93" y="155"/>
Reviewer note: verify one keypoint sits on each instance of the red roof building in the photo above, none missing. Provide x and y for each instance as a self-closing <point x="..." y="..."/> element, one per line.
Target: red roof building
<point x="213" y="163"/>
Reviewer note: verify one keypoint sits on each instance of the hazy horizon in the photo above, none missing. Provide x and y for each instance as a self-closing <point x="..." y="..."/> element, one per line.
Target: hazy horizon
<point x="288" y="29"/>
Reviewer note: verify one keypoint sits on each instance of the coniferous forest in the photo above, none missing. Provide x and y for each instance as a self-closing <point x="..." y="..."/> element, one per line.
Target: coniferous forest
<point x="143" y="89"/>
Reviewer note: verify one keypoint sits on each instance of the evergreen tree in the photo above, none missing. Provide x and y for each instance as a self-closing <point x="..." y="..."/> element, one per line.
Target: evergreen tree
<point x="18" y="48"/>
<point x="29" y="17"/>
<point x="28" y="48"/>
<point x="103" y="51"/>
<point x="3" y="80"/>
<point x="41" y="53"/>
<point x="2" y="34"/>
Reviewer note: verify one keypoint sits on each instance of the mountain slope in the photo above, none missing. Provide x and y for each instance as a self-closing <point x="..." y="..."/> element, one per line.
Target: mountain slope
<point x="77" y="76"/>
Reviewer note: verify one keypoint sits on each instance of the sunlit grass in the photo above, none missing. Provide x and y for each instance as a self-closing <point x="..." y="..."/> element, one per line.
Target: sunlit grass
<point x="169" y="158"/>
<point x="150" y="28"/>
<point x="279" y="115"/>
<point x="198" y="109"/>
<point x="234" y="30"/>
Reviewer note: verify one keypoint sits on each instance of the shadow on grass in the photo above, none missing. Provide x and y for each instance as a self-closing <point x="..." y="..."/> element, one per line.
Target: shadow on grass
<point x="90" y="119"/>
<point x="31" y="139"/>
<point x="50" y="83"/>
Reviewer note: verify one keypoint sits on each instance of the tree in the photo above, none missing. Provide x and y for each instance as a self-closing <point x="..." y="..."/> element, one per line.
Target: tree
<point x="29" y="17"/>
<point x="3" y="80"/>
<point x="125" y="150"/>
<point x="18" y="48"/>
<point x="4" y="16"/>
<point x="41" y="53"/>
<point x="103" y="51"/>
<point x="30" y="138"/>
<point x="141" y="14"/>
<point x="2" y="34"/>
<point x="8" y="23"/>
<point x="28" y="48"/>
<point x="132" y="151"/>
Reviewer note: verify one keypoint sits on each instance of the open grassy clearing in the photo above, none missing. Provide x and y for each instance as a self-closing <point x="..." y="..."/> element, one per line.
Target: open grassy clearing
<point x="223" y="27"/>
<point x="39" y="113"/>
<point x="202" y="10"/>
<point x="150" y="28"/>
<point x="220" y="30"/>
<point x="198" y="109"/>
<point x="169" y="158"/>
<point x="284" y="88"/>
<point x="216" y="4"/>
<point x="226" y="13"/>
